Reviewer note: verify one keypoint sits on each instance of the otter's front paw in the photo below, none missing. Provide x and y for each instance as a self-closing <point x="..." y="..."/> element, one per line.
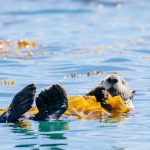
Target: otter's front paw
<point x="100" y="93"/>
<point x="21" y="103"/>
<point x="51" y="103"/>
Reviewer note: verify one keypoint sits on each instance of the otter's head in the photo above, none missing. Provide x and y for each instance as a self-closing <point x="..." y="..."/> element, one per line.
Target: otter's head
<point x="116" y="85"/>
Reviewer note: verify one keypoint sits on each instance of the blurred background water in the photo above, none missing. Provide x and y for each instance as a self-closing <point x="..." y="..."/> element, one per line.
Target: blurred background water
<point x="78" y="36"/>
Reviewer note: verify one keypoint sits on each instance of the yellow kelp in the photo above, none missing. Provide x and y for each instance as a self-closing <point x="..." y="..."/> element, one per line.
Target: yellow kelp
<point x="88" y="108"/>
<point x="117" y="105"/>
<point x="85" y="107"/>
<point x="3" y="110"/>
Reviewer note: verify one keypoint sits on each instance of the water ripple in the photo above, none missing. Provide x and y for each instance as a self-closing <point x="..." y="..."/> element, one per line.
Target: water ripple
<point x="50" y="12"/>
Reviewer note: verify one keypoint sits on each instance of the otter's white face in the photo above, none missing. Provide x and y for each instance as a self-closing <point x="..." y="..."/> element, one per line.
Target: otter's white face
<point x="118" y="86"/>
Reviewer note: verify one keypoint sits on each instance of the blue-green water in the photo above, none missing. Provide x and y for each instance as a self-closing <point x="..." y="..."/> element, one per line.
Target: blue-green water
<point x="70" y="32"/>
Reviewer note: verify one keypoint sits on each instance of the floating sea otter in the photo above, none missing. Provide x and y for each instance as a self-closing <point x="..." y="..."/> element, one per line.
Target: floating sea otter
<point x="112" y="95"/>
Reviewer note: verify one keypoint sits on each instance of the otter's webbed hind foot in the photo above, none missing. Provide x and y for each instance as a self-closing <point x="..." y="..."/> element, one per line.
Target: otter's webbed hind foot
<point x="20" y="104"/>
<point x="51" y="103"/>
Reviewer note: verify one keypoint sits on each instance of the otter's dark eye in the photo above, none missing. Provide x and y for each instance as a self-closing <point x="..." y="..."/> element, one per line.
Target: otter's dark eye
<point x="109" y="80"/>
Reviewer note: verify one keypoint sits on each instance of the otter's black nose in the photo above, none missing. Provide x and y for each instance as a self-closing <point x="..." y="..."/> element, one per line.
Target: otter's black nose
<point x="112" y="80"/>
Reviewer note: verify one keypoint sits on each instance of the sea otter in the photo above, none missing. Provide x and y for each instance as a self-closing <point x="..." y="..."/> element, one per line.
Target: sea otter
<point x="115" y="85"/>
<point x="53" y="102"/>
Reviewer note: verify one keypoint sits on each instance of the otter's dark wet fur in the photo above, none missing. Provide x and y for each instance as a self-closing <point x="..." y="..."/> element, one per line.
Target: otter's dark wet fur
<point x="51" y="103"/>
<point x="20" y="104"/>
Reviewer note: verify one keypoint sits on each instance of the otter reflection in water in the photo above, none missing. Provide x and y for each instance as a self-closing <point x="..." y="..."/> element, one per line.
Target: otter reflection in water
<point x="54" y="130"/>
<point x="53" y="102"/>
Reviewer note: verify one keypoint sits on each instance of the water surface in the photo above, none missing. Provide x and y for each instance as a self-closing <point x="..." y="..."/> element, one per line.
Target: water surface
<point x="78" y="37"/>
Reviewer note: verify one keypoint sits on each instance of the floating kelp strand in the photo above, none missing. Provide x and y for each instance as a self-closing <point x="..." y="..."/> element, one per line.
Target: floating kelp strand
<point x="88" y="74"/>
